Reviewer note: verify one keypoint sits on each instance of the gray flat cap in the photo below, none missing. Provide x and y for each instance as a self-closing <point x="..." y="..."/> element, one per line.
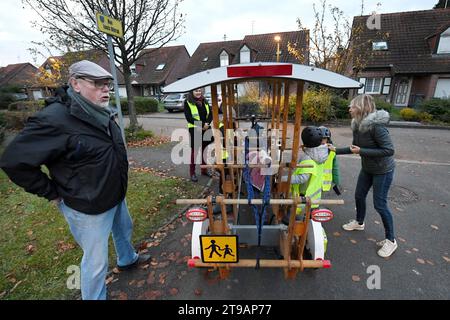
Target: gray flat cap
<point x="88" y="69"/>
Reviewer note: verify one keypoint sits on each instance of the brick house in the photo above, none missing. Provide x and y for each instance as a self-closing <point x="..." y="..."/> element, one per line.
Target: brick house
<point x="253" y="48"/>
<point x="405" y="61"/>
<point x="20" y="75"/>
<point x="156" y="68"/>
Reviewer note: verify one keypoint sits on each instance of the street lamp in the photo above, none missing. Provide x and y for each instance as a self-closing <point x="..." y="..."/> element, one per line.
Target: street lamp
<point x="277" y="40"/>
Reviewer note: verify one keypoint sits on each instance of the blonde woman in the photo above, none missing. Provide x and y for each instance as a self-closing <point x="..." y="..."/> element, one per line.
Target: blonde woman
<point x="371" y="140"/>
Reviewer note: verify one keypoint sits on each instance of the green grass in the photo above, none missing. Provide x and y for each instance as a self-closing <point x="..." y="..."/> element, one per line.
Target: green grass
<point x="36" y="246"/>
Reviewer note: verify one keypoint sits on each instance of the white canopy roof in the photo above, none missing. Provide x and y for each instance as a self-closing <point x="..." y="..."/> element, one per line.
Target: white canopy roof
<point x="253" y="71"/>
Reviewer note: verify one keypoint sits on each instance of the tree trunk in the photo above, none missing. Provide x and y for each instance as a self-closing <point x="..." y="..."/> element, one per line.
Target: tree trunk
<point x="130" y="97"/>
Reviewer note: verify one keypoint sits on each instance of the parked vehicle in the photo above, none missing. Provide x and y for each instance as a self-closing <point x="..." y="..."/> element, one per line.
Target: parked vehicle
<point x="174" y="102"/>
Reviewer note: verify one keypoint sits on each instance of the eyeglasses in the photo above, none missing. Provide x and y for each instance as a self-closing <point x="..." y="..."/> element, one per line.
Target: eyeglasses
<point x="100" y="84"/>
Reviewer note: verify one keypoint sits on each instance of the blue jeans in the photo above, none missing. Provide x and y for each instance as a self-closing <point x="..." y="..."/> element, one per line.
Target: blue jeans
<point x="381" y="184"/>
<point x="92" y="232"/>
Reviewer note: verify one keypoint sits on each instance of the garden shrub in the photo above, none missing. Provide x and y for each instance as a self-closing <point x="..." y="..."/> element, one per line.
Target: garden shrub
<point x="409" y="114"/>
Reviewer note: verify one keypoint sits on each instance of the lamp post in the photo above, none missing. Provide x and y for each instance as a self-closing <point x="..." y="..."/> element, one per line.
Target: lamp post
<point x="277" y="40"/>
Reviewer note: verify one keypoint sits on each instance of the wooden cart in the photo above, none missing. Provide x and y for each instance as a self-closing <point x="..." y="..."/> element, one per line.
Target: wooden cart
<point x="223" y="234"/>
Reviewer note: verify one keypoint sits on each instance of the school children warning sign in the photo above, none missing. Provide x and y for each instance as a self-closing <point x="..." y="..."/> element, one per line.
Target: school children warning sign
<point x="219" y="249"/>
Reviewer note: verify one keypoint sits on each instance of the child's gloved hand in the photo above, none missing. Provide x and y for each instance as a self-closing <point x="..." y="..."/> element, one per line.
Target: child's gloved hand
<point x="331" y="147"/>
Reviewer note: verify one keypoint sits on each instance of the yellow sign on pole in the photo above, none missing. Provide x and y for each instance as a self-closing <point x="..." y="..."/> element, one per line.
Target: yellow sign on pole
<point x="109" y="25"/>
<point x="219" y="249"/>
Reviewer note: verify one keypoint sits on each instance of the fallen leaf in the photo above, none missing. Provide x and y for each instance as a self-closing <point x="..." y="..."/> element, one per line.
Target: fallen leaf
<point x="152" y="295"/>
<point x="140" y="284"/>
<point x="401" y="239"/>
<point x="198" y="292"/>
<point x="415" y="250"/>
<point x="377" y="222"/>
<point x="421" y="261"/>
<point x="353" y="241"/>
<point x="63" y="247"/>
<point x="430" y="262"/>
<point x="336" y="234"/>
<point x="372" y="239"/>
<point x="408" y="252"/>
<point x="434" y="227"/>
<point x="356" y="278"/>
<point x="173" y="291"/>
<point x="151" y="278"/>
<point x="446" y="258"/>
<point x="30" y="249"/>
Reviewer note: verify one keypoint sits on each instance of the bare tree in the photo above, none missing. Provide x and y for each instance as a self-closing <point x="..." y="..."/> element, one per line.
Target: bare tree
<point x="335" y="44"/>
<point x="71" y="25"/>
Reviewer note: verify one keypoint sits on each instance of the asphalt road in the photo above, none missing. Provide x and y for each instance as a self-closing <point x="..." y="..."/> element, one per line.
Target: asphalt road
<point x="419" y="269"/>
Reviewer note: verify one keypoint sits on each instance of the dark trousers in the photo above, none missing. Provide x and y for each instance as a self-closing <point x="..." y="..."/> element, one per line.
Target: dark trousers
<point x="194" y="152"/>
<point x="381" y="184"/>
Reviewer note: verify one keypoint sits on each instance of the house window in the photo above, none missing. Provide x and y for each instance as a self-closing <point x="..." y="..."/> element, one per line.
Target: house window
<point x="387" y="85"/>
<point x="245" y="55"/>
<point x="442" y="89"/>
<point x="224" y="59"/>
<point x="379" y="46"/>
<point x="444" y="42"/>
<point x="372" y="85"/>
<point x="160" y="66"/>
<point x="133" y="69"/>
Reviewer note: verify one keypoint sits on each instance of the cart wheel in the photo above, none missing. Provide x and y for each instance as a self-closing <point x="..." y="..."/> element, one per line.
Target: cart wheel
<point x="198" y="229"/>
<point x="316" y="241"/>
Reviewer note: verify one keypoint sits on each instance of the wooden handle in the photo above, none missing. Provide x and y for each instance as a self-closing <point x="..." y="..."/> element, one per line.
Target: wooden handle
<point x="256" y="201"/>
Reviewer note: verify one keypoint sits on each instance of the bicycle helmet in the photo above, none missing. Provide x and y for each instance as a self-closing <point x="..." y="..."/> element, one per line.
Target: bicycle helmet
<point x="326" y="132"/>
<point x="312" y="137"/>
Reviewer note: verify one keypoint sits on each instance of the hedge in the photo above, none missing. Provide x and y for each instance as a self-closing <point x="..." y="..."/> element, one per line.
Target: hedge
<point x="438" y="108"/>
<point x="142" y="105"/>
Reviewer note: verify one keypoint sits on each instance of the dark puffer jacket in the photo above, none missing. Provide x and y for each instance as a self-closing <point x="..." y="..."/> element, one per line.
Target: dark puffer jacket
<point x="377" y="149"/>
<point x="88" y="165"/>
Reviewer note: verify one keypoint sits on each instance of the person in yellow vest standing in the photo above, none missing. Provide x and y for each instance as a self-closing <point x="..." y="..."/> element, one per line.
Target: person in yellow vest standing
<point x="308" y="181"/>
<point x="331" y="173"/>
<point x="198" y="114"/>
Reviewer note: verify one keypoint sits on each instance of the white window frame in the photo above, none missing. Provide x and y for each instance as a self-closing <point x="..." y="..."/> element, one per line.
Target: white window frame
<point x="133" y="69"/>
<point x="224" y="59"/>
<point x="444" y="42"/>
<point x="387" y="85"/>
<point x="369" y="89"/>
<point x="160" y="67"/>
<point x="442" y="91"/>
<point x="380" y="46"/>
<point x="245" y="55"/>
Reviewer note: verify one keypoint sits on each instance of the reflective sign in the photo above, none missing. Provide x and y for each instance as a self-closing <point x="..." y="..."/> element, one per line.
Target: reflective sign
<point x="109" y="25"/>
<point x="219" y="249"/>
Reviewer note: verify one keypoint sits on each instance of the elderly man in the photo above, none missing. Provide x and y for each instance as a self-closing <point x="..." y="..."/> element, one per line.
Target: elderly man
<point x="81" y="145"/>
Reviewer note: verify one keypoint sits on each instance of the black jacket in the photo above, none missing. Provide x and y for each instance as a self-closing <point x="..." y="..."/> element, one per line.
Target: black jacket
<point x="204" y="116"/>
<point x="88" y="166"/>
<point x="377" y="149"/>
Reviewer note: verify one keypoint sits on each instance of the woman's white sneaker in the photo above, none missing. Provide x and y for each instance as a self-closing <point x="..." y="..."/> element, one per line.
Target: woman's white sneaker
<point x="381" y="243"/>
<point x="388" y="248"/>
<point x="353" y="225"/>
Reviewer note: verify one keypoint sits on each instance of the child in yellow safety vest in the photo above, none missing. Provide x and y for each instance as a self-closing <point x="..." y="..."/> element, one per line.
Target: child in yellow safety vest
<point x="309" y="181"/>
<point x="331" y="174"/>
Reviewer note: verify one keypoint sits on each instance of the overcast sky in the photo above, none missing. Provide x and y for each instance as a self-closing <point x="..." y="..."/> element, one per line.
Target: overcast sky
<point x="206" y="21"/>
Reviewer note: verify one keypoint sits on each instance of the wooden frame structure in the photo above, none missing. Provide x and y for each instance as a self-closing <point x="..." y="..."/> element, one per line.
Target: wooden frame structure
<point x="282" y="79"/>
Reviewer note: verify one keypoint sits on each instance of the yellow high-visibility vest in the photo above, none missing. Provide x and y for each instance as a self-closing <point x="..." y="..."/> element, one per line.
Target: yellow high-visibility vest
<point x="311" y="189"/>
<point x="328" y="172"/>
<point x="195" y="114"/>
